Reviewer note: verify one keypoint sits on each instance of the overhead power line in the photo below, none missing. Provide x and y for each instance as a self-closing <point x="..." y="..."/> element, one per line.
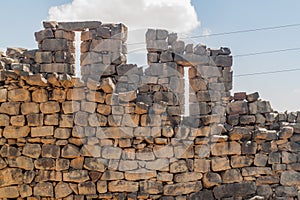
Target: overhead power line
<point x="244" y="55"/>
<point x="266" y="52"/>
<point x="267" y="72"/>
<point x="246" y="31"/>
<point x="234" y="32"/>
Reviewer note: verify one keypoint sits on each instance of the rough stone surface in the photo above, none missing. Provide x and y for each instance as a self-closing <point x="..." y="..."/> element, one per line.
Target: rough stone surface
<point x="119" y="131"/>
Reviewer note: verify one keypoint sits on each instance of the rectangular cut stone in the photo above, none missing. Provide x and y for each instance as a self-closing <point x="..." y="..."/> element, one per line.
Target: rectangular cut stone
<point x="107" y="45"/>
<point x="16" y="132"/>
<point x="10" y="176"/>
<point x="202" y="165"/>
<point x="10" y="108"/>
<point x="123" y="186"/>
<point x="44" y="57"/>
<point x="290" y="178"/>
<point x="226" y="148"/>
<point x="55" y="45"/>
<point x="78" y="26"/>
<point x="43" y="34"/>
<point x="223" y="61"/>
<point x="57" y="67"/>
<point x="9" y="192"/>
<point x="69" y="35"/>
<point x="76" y="176"/>
<point x="208" y="71"/>
<point x="115" y="132"/>
<point x="140" y="174"/>
<point x="241" y="161"/>
<point x="42" y="131"/>
<point x="253" y="171"/>
<point x="3" y="95"/>
<point x="157" y="45"/>
<point x="191" y="59"/>
<point x="220" y="164"/>
<point x="182" y="188"/>
<point x="243" y="189"/>
<point x="238" y="107"/>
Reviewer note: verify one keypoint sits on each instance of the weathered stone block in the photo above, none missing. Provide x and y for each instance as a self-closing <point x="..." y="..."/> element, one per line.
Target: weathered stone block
<point x="102" y="187"/>
<point x="241" y="161"/>
<point x="238" y="107"/>
<point x="290" y="178"/>
<point x="157" y="45"/>
<point x="35" y="119"/>
<point x="29" y="108"/>
<point x="55" y="45"/>
<point x="182" y="188"/>
<point x="62" y="164"/>
<point x="10" y="108"/>
<point x="139" y="174"/>
<point x="44" y="34"/>
<point x="232" y="176"/>
<point x="94" y="164"/>
<point x="62" y="190"/>
<point x="44" y="57"/>
<point x="70" y="107"/>
<point x="45" y="164"/>
<point x="9" y="192"/>
<point x="51" y="120"/>
<point x="40" y="96"/>
<point x="16" y="132"/>
<point x="226" y="148"/>
<point x="77" y="176"/>
<point x="187" y="177"/>
<point x="4" y="120"/>
<point x="87" y="188"/>
<point x="78" y="26"/>
<point x="10" y="176"/>
<point x="252" y="171"/>
<point x="43" y="189"/>
<point x="21" y="162"/>
<point x="151" y="187"/>
<point x="9" y="151"/>
<point x="32" y="150"/>
<point x="220" y="164"/>
<point x="19" y="95"/>
<point x="3" y="95"/>
<point x="123" y="186"/>
<point x="127" y="165"/>
<point x="70" y="151"/>
<point x="42" y="131"/>
<point x="163" y="151"/>
<point x="50" y="107"/>
<point x="25" y="191"/>
<point x="50" y="151"/>
<point x="242" y="189"/>
<point x="17" y="120"/>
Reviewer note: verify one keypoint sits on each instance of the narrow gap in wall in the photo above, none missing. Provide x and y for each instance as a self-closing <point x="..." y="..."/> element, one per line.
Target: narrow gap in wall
<point x="77" y="54"/>
<point x="186" y="92"/>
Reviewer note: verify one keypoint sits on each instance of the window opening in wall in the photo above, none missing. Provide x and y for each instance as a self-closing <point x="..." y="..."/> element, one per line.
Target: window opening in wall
<point x="77" y="54"/>
<point x="186" y="92"/>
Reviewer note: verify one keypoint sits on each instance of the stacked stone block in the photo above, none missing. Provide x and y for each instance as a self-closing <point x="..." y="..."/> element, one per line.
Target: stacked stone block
<point x="121" y="133"/>
<point x="102" y="49"/>
<point x="56" y="49"/>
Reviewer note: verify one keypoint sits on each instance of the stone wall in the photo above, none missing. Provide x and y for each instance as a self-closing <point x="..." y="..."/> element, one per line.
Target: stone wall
<point x="122" y="131"/>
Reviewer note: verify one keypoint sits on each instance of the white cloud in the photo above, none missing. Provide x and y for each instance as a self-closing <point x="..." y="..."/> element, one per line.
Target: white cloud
<point x="138" y="15"/>
<point x="177" y="15"/>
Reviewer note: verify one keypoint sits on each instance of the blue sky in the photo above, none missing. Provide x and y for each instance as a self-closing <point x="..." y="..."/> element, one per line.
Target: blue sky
<point x="20" y="19"/>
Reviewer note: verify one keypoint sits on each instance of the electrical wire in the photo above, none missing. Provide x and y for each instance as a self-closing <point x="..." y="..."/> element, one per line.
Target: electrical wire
<point x="268" y="72"/>
<point x="266" y="52"/>
<point x="233" y="32"/>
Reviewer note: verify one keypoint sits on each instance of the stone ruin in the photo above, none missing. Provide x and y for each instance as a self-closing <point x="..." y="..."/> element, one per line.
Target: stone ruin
<point x="122" y="131"/>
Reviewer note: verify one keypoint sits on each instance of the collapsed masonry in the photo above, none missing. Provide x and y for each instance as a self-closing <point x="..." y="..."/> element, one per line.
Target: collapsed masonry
<point x="121" y="131"/>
